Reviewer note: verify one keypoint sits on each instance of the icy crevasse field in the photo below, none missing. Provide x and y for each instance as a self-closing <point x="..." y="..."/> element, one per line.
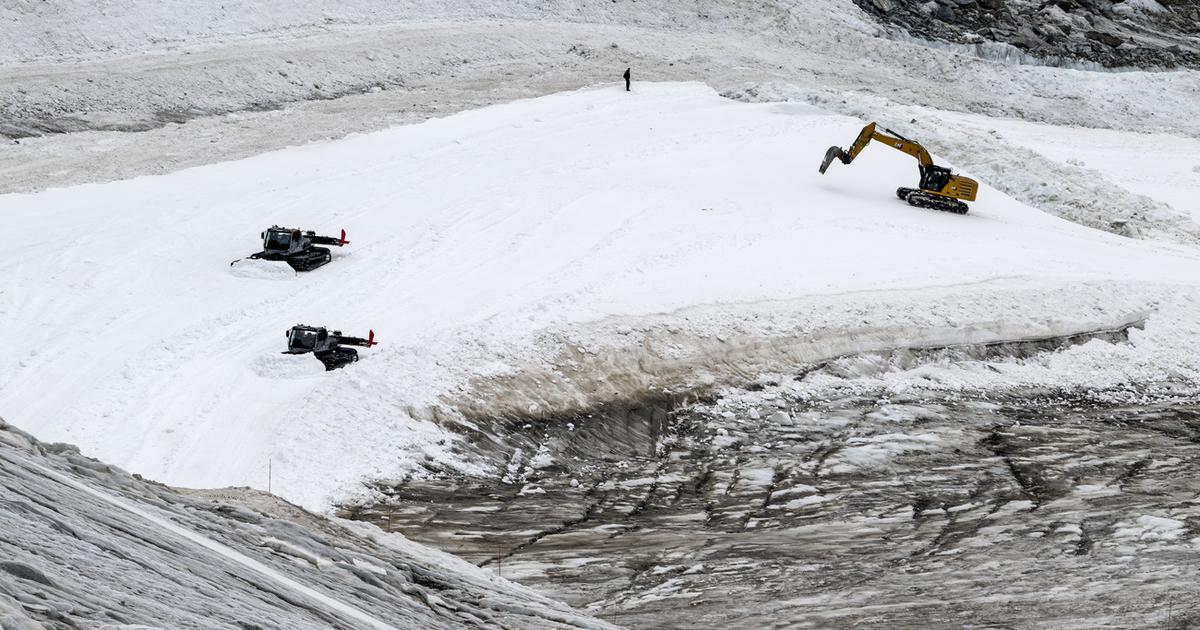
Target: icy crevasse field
<point x="869" y="505"/>
<point x="587" y="217"/>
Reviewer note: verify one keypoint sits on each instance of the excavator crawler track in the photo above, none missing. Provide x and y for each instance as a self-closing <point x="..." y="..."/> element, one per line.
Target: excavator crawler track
<point x="922" y="199"/>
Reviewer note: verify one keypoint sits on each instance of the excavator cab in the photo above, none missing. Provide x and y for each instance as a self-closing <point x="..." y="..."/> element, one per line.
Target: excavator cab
<point x="934" y="178"/>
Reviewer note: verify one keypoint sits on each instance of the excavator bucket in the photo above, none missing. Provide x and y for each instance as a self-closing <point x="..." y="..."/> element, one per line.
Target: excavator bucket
<point x="860" y="143"/>
<point x="830" y="155"/>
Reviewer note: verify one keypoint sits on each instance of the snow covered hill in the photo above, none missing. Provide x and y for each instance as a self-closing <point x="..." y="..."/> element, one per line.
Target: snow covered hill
<point x="250" y="77"/>
<point x="665" y="238"/>
<point x="86" y="545"/>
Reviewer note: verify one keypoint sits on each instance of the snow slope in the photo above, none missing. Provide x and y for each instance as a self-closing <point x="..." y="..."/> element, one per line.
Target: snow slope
<point x="365" y="65"/>
<point x="595" y="211"/>
<point x="87" y="545"/>
<point x="1131" y="182"/>
<point x="1164" y="167"/>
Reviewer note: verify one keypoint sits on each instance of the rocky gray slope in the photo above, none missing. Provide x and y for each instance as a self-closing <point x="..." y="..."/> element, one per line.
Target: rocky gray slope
<point x="1124" y="33"/>
<point x="85" y="545"/>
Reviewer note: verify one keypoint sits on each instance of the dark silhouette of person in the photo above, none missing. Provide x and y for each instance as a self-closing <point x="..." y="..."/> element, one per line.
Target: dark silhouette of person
<point x="626" y="75"/>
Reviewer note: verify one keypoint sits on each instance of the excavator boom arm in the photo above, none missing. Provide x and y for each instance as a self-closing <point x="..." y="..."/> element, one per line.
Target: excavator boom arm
<point x="903" y="145"/>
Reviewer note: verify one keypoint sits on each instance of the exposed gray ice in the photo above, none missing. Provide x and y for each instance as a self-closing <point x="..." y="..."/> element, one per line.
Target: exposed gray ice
<point x="863" y="507"/>
<point x="87" y="545"/>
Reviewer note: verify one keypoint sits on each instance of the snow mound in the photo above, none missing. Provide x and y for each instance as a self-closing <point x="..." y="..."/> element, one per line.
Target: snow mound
<point x="281" y="366"/>
<point x="581" y="241"/>
<point x="262" y="269"/>
<point x="1150" y="529"/>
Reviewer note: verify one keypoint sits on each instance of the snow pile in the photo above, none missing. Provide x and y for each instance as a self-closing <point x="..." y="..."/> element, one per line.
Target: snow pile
<point x="262" y="270"/>
<point x="999" y="52"/>
<point x="559" y="251"/>
<point x="1138" y="6"/>
<point x="1158" y="360"/>
<point x="1148" y="529"/>
<point x="873" y="452"/>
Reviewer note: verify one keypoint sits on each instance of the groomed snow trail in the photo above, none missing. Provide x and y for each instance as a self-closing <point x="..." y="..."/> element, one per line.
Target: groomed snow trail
<point x="469" y="236"/>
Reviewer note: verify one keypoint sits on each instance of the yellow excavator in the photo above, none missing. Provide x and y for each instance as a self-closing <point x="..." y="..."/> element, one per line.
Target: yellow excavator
<point x="939" y="189"/>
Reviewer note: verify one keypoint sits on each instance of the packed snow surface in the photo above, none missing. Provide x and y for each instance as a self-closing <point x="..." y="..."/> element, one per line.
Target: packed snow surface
<point x="472" y="235"/>
<point x="365" y="65"/>
<point x="1164" y="167"/>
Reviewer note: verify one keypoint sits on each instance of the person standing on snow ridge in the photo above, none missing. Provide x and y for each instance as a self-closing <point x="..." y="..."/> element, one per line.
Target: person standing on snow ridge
<point x="626" y="75"/>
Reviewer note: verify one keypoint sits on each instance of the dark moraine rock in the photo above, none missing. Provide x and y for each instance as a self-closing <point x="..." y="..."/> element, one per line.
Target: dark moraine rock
<point x="1124" y="34"/>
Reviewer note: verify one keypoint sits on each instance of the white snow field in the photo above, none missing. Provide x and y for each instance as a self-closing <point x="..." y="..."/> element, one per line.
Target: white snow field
<point x="657" y="229"/>
<point x="1164" y="167"/>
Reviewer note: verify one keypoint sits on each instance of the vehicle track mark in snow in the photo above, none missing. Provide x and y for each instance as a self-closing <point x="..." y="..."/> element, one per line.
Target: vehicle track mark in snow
<point x="221" y="550"/>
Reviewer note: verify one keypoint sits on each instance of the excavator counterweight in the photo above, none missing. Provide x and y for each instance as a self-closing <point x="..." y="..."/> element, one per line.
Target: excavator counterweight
<point x="938" y="188"/>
